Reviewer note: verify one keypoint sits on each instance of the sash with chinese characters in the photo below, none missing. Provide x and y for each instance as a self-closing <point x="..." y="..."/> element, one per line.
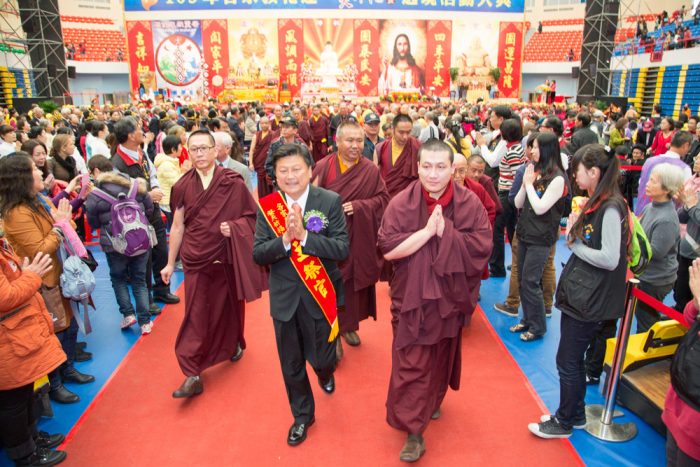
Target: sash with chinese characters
<point x="310" y="268"/>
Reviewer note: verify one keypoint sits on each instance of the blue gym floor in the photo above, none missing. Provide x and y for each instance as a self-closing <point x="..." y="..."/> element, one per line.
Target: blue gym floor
<point x="536" y="359"/>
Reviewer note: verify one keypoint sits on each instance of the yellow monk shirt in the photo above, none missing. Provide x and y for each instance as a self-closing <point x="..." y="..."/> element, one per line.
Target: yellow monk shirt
<point x="206" y="178"/>
<point x="344" y="167"/>
<point x="395" y="151"/>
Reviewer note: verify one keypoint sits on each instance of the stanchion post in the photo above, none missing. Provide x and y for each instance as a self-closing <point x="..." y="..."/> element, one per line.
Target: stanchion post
<point x="604" y="428"/>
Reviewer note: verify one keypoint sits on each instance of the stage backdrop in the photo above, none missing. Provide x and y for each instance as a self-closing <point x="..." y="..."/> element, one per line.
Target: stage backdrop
<point x="255" y="59"/>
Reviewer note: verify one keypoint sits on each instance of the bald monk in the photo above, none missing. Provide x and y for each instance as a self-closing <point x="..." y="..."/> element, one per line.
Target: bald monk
<point x="213" y="226"/>
<point x="259" y="147"/>
<point x="476" y="166"/>
<point x="460" y="177"/>
<point x="363" y="193"/>
<point x="397" y="156"/>
<point x="437" y="235"/>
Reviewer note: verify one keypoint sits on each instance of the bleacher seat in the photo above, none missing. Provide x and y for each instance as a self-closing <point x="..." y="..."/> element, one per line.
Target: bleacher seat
<point x="553" y="46"/>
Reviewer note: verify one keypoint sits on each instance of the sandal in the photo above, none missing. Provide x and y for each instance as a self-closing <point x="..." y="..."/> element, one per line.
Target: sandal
<point x="527" y="336"/>
<point x="520" y="327"/>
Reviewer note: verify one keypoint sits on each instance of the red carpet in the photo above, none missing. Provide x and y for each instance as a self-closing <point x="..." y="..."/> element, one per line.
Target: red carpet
<point x="242" y="417"/>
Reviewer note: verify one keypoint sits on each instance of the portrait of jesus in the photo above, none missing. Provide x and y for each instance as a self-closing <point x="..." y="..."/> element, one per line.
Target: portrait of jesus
<point x="401" y="73"/>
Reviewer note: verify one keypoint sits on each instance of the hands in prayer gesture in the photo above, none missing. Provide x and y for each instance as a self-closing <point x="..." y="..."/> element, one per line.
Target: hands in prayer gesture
<point x="436" y="222"/>
<point x="295" y="226"/>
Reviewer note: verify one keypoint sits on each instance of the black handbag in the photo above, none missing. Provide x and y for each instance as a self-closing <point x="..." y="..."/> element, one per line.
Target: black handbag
<point x="90" y="261"/>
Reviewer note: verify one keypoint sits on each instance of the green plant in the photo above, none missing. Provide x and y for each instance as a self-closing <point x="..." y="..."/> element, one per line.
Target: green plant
<point x="495" y="74"/>
<point x="600" y="105"/>
<point x="454" y="73"/>
<point x="49" y="106"/>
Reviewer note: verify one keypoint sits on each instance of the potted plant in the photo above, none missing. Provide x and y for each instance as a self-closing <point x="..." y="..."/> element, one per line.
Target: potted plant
<point x="495" y="74"/>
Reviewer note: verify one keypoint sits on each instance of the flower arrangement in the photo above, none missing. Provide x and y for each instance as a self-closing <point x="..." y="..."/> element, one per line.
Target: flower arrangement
<point x="315" y="221"/>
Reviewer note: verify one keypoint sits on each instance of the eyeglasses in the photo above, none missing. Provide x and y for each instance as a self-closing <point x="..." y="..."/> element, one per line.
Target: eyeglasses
<point x="200" y="149"/>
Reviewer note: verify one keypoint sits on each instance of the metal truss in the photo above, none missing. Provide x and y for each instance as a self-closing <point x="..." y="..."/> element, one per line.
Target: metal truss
<point x="599" y="27"/>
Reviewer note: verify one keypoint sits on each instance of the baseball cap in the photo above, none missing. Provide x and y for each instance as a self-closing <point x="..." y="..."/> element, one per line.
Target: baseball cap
<point x="372" y="118"/>
<point x="288" y="121"/>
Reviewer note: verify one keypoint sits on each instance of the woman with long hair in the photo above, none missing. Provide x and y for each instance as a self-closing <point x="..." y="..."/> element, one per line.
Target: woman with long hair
<point x="37" y="151"/>
<point x="30" y="219"/>
<point x="63" y="165"/>
<point x="454" y="138"/>
<point x="96" y="143"/>
<point x="541" y="198"/>
<point x="617" y="134"/>
<point x="591" y="287"/>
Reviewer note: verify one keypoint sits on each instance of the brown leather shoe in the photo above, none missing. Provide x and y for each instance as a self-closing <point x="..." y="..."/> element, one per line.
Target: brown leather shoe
<point x="192" y="386"/>
<point x="413" y="449"/>
<point x="352" y="338"/>
<point x="339" y="352"/>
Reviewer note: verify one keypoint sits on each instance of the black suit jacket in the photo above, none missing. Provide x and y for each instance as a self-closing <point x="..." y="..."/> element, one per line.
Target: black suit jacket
<point x="330" y="245"/>
<point x="580" y="138"/>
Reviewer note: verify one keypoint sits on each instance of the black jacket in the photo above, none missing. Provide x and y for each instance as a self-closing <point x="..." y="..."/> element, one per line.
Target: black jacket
<point x="580" y="138"/>
<point x="331" y="245"/>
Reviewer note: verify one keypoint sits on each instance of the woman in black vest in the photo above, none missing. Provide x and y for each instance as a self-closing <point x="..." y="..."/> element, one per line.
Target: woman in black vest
<point x="592" y="285"/>
<point x="541" y="198"/>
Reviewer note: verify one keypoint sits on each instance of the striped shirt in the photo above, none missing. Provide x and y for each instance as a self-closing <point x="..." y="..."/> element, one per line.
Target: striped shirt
<point x="513" y="158"/>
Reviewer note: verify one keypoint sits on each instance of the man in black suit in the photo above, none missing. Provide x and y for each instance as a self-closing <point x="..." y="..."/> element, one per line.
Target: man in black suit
<point x="583" y="134"/>
<point x="301" y="329"/>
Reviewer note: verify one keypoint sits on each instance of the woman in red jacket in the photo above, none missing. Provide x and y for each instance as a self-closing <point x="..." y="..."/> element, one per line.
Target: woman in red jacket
<point x="663" y="137"/>
<point x="30" y="351"/>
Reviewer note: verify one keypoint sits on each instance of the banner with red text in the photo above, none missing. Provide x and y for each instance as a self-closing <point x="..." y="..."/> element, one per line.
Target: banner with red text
<point x="366" y="57"/>
<point x="291" y="54"/>
<point x="215" y="49"/>
<point x="142" y="64"/>
<point x="437" y="63"/>
<point x="510" y="59"/>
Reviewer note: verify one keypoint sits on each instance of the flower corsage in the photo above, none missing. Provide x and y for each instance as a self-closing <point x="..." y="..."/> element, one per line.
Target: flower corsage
<point x="315" y="221"/>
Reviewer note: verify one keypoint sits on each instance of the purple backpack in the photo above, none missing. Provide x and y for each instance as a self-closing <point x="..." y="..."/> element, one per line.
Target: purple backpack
<point x="132" y="234"/>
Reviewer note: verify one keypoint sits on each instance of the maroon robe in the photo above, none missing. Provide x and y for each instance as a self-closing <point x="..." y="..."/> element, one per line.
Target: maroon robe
<point x="362" y="185"/>
<point x="304" y="132"/>
<point x="274" y="123"/>
<point x="487" y="183"/>
<point x="262" y="147"/>
<point x="486" y="201"/>
<point x="398" y="176"/>
<point x="433" y="293"/>
<point x="219" y="272"/>
<point x="319" y="137"/>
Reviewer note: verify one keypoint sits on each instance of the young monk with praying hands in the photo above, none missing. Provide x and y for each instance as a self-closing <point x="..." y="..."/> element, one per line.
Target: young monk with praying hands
<point x="438" y="236"/>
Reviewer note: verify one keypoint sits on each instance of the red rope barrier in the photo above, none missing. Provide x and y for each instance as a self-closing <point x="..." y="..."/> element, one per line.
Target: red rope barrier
<point x="659" y="306"/>
<point x="631" y="167"/>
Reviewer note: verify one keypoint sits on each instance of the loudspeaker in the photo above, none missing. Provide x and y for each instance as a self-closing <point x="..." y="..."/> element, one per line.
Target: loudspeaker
<point x="71" y="72"/>
<point x="575" y="71"/>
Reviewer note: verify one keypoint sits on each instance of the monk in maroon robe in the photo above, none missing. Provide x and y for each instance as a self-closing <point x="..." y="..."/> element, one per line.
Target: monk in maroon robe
<point x="397" y="156"/>
<point x="363" y="193"/>
<point x="213" y="227"/>
<point x="320" y="127"/>
<point x="460" y="177"/>
<point x="259" y="147"/>
<point x="439" y="239"/>
<point x="476" y="165"/>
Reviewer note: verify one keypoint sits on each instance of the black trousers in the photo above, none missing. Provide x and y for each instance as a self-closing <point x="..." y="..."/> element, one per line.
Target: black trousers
<point x="158" y="257"/>
<point x="675" y="457"/>
<point x="646" y="315"/>
<point x="505" y="220"/>
<point x="303" y="338"/>
<point x="595" y="355"/>
<point x="681" y="290"/>
<point x="17" y="421"/>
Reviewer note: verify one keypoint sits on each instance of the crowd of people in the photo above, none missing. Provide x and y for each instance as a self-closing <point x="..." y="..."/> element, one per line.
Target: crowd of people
<point x="439" y="187"/>
<point x="671" y="32"/>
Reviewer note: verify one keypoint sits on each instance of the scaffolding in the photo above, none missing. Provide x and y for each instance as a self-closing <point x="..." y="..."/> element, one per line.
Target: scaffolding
<point x="599" y="28"/>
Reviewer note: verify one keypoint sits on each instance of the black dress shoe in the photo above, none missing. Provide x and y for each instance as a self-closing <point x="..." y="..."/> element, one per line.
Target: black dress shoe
<point x="494" y="273"/>
<point x="192" y="386"/>
<point x="328" y="386"/>
<point x="82" y="356"/>
<point x="239" y="354"/>
<point x="167" y="297"/>
<point x="63" y="396"/>
<point x="47" y="441"/>
<point x="42" y="458"/>
<point x="74" y="376"/>
<point x="80" y="345"/>
<point x="154" y="309"/>
<point x="297" y="433"/>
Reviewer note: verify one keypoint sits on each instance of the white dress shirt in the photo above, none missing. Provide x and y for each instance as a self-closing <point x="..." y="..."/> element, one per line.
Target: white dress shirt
<point x="302" y="204"/>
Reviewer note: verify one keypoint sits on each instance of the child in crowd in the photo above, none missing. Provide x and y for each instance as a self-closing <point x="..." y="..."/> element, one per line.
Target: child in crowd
<point x="168" y="171"/>
<point x="630" y="178"/>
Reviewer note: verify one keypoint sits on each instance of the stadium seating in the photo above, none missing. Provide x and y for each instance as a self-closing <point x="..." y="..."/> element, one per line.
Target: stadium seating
<point x="96" y="43"/>
<point x="553" y="46"/>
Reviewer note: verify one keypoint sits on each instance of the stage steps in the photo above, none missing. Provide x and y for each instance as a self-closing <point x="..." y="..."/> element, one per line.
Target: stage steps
<point x="643" y="391"/>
